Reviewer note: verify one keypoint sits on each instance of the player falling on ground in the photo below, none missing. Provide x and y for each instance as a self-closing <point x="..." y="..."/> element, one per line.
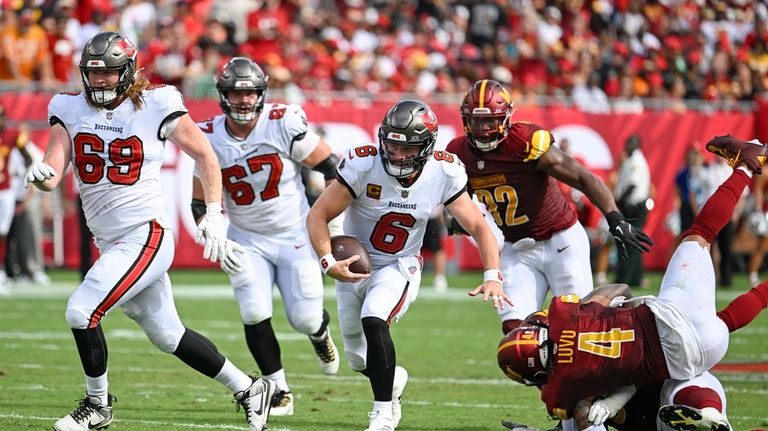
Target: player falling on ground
<point x="114" y="133"/>
<point x="636" y="409"/>
<point x="389" y="191"/>
<point x="261" y="149"/>
<point x="590" y="349"/>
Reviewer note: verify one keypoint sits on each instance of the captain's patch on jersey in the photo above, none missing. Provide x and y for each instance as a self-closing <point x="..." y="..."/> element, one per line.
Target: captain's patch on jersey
<point x="373" y="191"/>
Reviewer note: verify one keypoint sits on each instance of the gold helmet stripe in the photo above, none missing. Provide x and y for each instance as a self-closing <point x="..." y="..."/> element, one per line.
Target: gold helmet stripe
<point x="482" y="92"/>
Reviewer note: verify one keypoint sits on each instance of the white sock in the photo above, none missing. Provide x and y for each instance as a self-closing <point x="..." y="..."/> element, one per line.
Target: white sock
<point x="745" y="170"/>
<point x="278" y="378"/>
<point x="97" y="387"/>
<point x="383" y="407"/>
<point x="234" y="379"/>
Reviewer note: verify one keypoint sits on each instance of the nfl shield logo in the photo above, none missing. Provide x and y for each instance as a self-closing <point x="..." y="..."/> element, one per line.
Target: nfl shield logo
<point x="404" y="194"/>
<point x="481" y="164"/>
<point x="109" y="115"/>
<point x="243" y="146"/>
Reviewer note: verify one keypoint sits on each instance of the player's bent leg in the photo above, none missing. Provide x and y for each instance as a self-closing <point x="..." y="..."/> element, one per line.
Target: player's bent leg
<point x="566" y="263"/>
<point x="698" y="403"/>
<point x="301" y="287"/>
<point x="123" y="271"/>
<point x="523" y="282"/>
<point x="349" y="301"/>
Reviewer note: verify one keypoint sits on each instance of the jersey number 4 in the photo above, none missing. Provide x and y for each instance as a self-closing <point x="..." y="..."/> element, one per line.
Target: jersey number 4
<point x="126" y="155"/>
<point x="606" y="343"/>
<point x="242" y="193"/>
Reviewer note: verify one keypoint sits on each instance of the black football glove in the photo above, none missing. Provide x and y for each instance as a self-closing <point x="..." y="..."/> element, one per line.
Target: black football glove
<point x="625" y="235"/>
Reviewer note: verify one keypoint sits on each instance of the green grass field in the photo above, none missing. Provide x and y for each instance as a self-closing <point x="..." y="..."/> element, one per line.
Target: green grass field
<point x="446" y="342"/>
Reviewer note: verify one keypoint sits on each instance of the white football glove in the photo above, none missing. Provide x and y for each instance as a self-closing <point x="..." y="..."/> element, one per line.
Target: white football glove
<point x="37" y="173"/>
<point x="211" y="234"/>
<point x="598" y="413"/>
<point x="230" y="263"/>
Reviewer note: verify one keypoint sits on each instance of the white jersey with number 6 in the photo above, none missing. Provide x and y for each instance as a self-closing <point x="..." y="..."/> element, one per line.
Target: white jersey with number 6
<point x="263" y="192"/>
<point x="388" y="218"/>
<point x="117" y="156"/>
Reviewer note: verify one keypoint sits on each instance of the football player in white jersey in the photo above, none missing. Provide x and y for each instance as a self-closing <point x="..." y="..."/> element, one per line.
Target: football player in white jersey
<point x="261" y="149"/>
<point x="389" y="192"/>
<point x="114" y="134"/>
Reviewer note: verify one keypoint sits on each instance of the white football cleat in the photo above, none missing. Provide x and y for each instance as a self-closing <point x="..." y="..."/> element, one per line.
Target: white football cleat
<point x="282" y="404"/>
<point x="401" y="378"/>
<point x="380" y="421"/>
<point x="327" y="354"/>
<point x="89" y="415"/>
<point x="256" y="402"/>
<point x="682" y="417"/>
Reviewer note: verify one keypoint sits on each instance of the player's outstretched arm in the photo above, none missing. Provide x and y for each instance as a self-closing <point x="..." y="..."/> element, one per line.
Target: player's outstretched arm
<point x="210" y="231"/>
<point x="332" y="202"/>
<point x="45" y="175"/>
<point x="566" y="169"/>
<point x="467" y="214"/>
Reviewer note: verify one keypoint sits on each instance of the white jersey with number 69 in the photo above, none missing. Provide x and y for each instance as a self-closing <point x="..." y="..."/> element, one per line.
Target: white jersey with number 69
<point x="263" y="192"/>
<point x="117" y="155"/>
<point x="388" y="218"/>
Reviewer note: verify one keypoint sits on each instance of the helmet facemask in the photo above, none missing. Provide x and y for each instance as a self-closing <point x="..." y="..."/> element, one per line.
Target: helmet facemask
<point x="242" y="113"/>
<point x="398" y="166"/>
<point x="241" y="74"/>
<point x="487" y="114"/>
<point x="486" y="130"/>
<point x="407" y="138"/>
<point x="108" y="51"/>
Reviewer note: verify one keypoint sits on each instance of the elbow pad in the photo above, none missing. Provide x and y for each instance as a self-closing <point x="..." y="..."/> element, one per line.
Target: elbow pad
<point x="327" y="167"/>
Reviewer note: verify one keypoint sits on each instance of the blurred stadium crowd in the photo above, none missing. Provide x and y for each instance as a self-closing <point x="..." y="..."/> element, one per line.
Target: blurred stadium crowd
<point x="629" y="51"/>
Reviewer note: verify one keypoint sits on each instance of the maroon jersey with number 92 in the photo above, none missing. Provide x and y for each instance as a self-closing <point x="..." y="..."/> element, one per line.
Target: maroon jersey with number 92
<point x="524" y="201"/>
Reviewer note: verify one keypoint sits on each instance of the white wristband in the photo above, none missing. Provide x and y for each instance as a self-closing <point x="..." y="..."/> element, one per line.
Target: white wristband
<point x="327" y="262"/>
<point x="493" y="275"/>
<point x="213" y="208"/>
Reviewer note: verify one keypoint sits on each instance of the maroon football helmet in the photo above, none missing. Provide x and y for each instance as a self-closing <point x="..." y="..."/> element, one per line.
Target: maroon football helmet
<point x="486" y="112"/>
<point x="524" y="355"/>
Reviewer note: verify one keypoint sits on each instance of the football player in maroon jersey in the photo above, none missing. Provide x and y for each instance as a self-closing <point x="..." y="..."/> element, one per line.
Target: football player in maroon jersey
<point x="592" y="348"/>
<point x="513" y="168"/>
<point x="640" y="411"/>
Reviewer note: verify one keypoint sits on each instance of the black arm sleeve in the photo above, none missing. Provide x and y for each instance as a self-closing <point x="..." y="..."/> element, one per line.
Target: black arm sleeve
<point x="198" y="209"/>
<point x="327" y="167"/>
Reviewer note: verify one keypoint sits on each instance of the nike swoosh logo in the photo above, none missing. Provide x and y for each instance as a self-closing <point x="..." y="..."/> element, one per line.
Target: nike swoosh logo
<point x="560" y="250"/>
<point x="92" y="425"/>
<point x="299" y="246"/>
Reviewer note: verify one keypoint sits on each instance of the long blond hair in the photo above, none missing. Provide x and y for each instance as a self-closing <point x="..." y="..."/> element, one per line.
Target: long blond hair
<point x="134" y="91"/>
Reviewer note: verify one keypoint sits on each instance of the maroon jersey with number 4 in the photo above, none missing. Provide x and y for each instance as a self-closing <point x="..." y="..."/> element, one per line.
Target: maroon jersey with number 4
<point x="598" y="350"/>
<point x="524" y="201"/>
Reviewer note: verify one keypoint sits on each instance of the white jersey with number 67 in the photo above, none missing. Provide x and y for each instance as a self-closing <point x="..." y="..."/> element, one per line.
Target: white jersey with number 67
<point x="263" y="192"/>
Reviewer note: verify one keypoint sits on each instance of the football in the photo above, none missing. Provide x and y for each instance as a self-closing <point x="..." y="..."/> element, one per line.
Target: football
<point x="344" y="247"/>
